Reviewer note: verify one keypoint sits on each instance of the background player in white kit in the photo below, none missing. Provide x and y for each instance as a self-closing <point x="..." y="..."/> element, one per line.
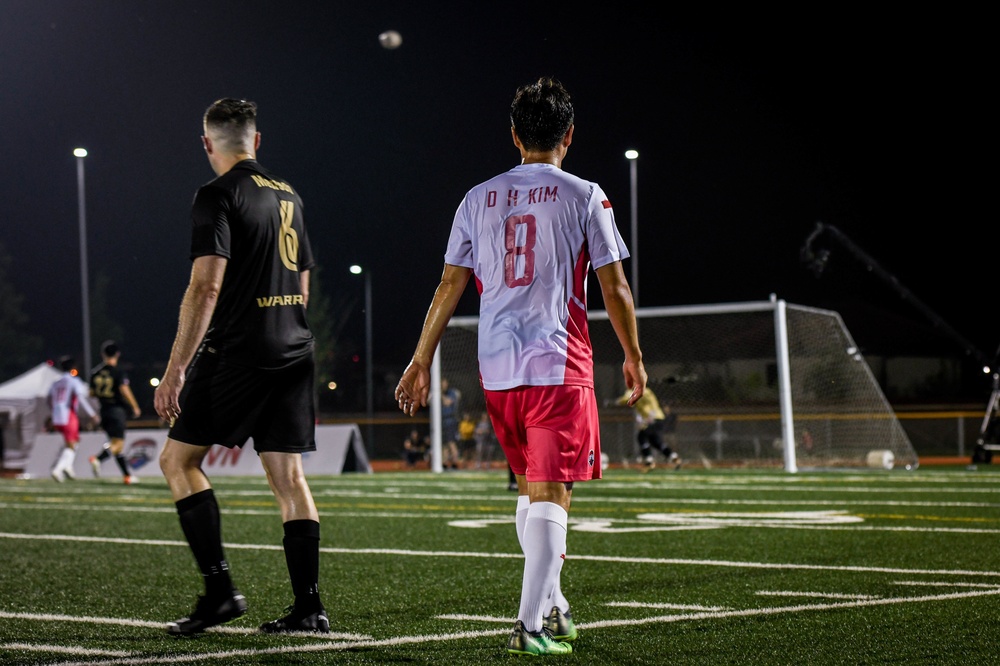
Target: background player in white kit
<point x="66" y="396"/>
<point x="530" y="236"/>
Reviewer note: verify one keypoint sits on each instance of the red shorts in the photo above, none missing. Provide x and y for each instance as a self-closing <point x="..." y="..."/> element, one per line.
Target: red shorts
<point x="548" y="433"/>
<point x="70" y="431"/>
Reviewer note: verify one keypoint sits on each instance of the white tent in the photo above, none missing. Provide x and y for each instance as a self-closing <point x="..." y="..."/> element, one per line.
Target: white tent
<point x="23" y="410"/>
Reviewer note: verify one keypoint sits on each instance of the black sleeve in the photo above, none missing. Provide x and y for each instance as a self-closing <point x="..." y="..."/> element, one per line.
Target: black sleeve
<point x="210" y="223"/>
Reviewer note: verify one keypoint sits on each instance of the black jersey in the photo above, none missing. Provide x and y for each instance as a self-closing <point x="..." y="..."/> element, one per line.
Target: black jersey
<point x="106" y="383"/>
<point x="254" y="219"/>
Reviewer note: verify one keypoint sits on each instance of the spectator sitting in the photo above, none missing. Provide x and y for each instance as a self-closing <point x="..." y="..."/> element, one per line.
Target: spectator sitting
<point x="415" y="448"/>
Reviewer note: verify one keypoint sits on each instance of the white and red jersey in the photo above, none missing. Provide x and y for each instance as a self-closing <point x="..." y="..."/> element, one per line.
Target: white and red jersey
<point x="530" y="236"/>
<point x="66" y="395"/>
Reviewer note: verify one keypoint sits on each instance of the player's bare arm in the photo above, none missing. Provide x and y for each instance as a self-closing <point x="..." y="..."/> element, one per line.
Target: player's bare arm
<point x="130" y="399"/>
<point x="415" y="384"/>
<point x="621" y="311"/>
<point x="197" y="307"/>
<point x="304" y="287"/>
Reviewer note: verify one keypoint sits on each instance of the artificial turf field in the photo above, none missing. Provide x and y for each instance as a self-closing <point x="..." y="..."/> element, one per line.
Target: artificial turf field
<point x="697" y="566"/>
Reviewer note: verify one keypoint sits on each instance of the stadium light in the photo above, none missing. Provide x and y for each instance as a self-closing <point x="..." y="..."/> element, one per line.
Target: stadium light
<point x="80" y="154"/>
<point x="369" y="402"/>
<point x="633" y="156"/>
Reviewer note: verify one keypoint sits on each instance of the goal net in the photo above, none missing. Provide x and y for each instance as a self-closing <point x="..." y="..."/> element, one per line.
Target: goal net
<point x="765" y="384"/>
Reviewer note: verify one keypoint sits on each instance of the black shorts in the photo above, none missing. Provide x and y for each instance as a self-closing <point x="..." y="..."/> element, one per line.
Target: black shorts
<point x="113" y="421"/>
<point x="229" y="404"/>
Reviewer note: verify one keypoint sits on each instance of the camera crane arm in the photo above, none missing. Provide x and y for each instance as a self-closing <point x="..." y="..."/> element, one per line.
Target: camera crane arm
<point x="815" y="260"/>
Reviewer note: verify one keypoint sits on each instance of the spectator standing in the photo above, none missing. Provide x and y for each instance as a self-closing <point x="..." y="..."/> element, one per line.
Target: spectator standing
<point x="450" y="399"/>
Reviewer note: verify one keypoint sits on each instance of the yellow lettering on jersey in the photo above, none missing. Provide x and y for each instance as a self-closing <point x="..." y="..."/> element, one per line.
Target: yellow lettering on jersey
<point x="288" y="238"/>
<point x="273" y="184"/>
<point x="280" y="299"/>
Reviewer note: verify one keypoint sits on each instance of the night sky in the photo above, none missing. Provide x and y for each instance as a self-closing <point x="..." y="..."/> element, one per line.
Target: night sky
<point x="747" y="139"/>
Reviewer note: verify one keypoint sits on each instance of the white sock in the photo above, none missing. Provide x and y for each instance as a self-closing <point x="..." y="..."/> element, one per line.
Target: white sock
<point x="544" y="550"/>
<point x="65" y="459"/>
<point x="521" y="517"/>
<point x="558" y="599"/>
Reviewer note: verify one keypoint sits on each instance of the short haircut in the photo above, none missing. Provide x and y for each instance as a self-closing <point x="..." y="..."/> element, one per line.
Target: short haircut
<point x="109" y="348"/>
<point x="67" y="363"/>
<point x="232" y="123"/>
<point x="541" y="114"/>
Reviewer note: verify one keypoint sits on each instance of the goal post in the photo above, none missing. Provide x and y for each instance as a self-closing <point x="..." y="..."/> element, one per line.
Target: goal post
<point x="760" y="384"/>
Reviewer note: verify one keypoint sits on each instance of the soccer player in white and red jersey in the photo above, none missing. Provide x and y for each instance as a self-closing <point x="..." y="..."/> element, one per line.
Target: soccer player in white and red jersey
<point x="66" y="396"/>
<point x="530" y="236"/>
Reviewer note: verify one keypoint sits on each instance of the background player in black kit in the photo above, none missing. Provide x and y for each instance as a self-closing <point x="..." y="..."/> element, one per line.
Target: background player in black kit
<point x="110" y="385"/>
<point x="250" y="353"/>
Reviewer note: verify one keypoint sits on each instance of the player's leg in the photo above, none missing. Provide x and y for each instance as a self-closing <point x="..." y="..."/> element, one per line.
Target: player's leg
<point x="645" y="450"/>
<point x="540" y="516"/>
<point x="300" y="522"/>
<point x="200" y="521"/>
<point x="213" y="410"/>
<point x="69" y="458"/>
<point x="117" y="448"/>
<point x="286" y="430"/>
<point x="62" y="468"/>
<point x="670" y="444"/>
<point x="95" y="461"/>
<point x="114" y="425"/>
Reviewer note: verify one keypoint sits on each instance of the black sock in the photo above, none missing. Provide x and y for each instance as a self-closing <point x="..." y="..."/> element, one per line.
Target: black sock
<point x="199" y="514"/>
<point x="122" y="465"/>
<point x="301" y="544"/>
<point x="104" y="455"/>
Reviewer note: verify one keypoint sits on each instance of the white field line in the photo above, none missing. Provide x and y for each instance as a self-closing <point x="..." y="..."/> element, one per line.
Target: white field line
<point x="69" y="502"/>
<point x="943" y="584"/>
<point x="817" y="595"/>
<point x="619" y="559"/>
<point x="236" y="655"/>
<point x="146" y="624"/>
<point x="62" y="649"/>
<point x="642" y="604"/>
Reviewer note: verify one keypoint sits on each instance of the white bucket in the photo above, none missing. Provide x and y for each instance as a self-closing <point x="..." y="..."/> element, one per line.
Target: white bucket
<point x="881" y="458"/>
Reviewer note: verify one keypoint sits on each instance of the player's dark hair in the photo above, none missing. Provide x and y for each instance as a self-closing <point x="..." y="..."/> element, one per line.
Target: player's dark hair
<point x="541" y="113"/>
<point x="233" y="120"/>
<point x="109" y="348"/>
<point x="66" y="363"/>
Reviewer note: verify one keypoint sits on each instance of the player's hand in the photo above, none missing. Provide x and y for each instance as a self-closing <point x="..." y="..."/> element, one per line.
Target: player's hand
<point x="413" y="388"/>
<point x="166" y="398"/>
<point x="635" y="379"/>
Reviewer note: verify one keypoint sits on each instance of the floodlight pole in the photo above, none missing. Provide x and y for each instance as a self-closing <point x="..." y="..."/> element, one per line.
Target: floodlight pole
<point x="369" y="389"/>
<point x="633" y="156"/>
<point x="80" y="154"/>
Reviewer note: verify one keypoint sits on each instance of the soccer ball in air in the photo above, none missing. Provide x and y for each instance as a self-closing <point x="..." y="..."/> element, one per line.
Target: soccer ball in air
<point x="390" y="39"/>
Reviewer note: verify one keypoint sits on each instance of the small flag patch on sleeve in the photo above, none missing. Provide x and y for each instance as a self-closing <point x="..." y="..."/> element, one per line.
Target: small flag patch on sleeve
<point x="606" y="203"/>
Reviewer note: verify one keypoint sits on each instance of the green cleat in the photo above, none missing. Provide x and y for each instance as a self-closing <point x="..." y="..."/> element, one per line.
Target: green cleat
<point x="523" y="641"/>
<point x="560" y="625"/>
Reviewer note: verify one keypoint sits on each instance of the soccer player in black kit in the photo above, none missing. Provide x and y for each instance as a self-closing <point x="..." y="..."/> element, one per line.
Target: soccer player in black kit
<point x="110" y="385"/>
<point x="241" y="367"/>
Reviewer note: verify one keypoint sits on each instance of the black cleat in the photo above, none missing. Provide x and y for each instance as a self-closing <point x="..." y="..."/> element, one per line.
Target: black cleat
<point x="208" y="613"/>
<point x="316" y="622"/>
